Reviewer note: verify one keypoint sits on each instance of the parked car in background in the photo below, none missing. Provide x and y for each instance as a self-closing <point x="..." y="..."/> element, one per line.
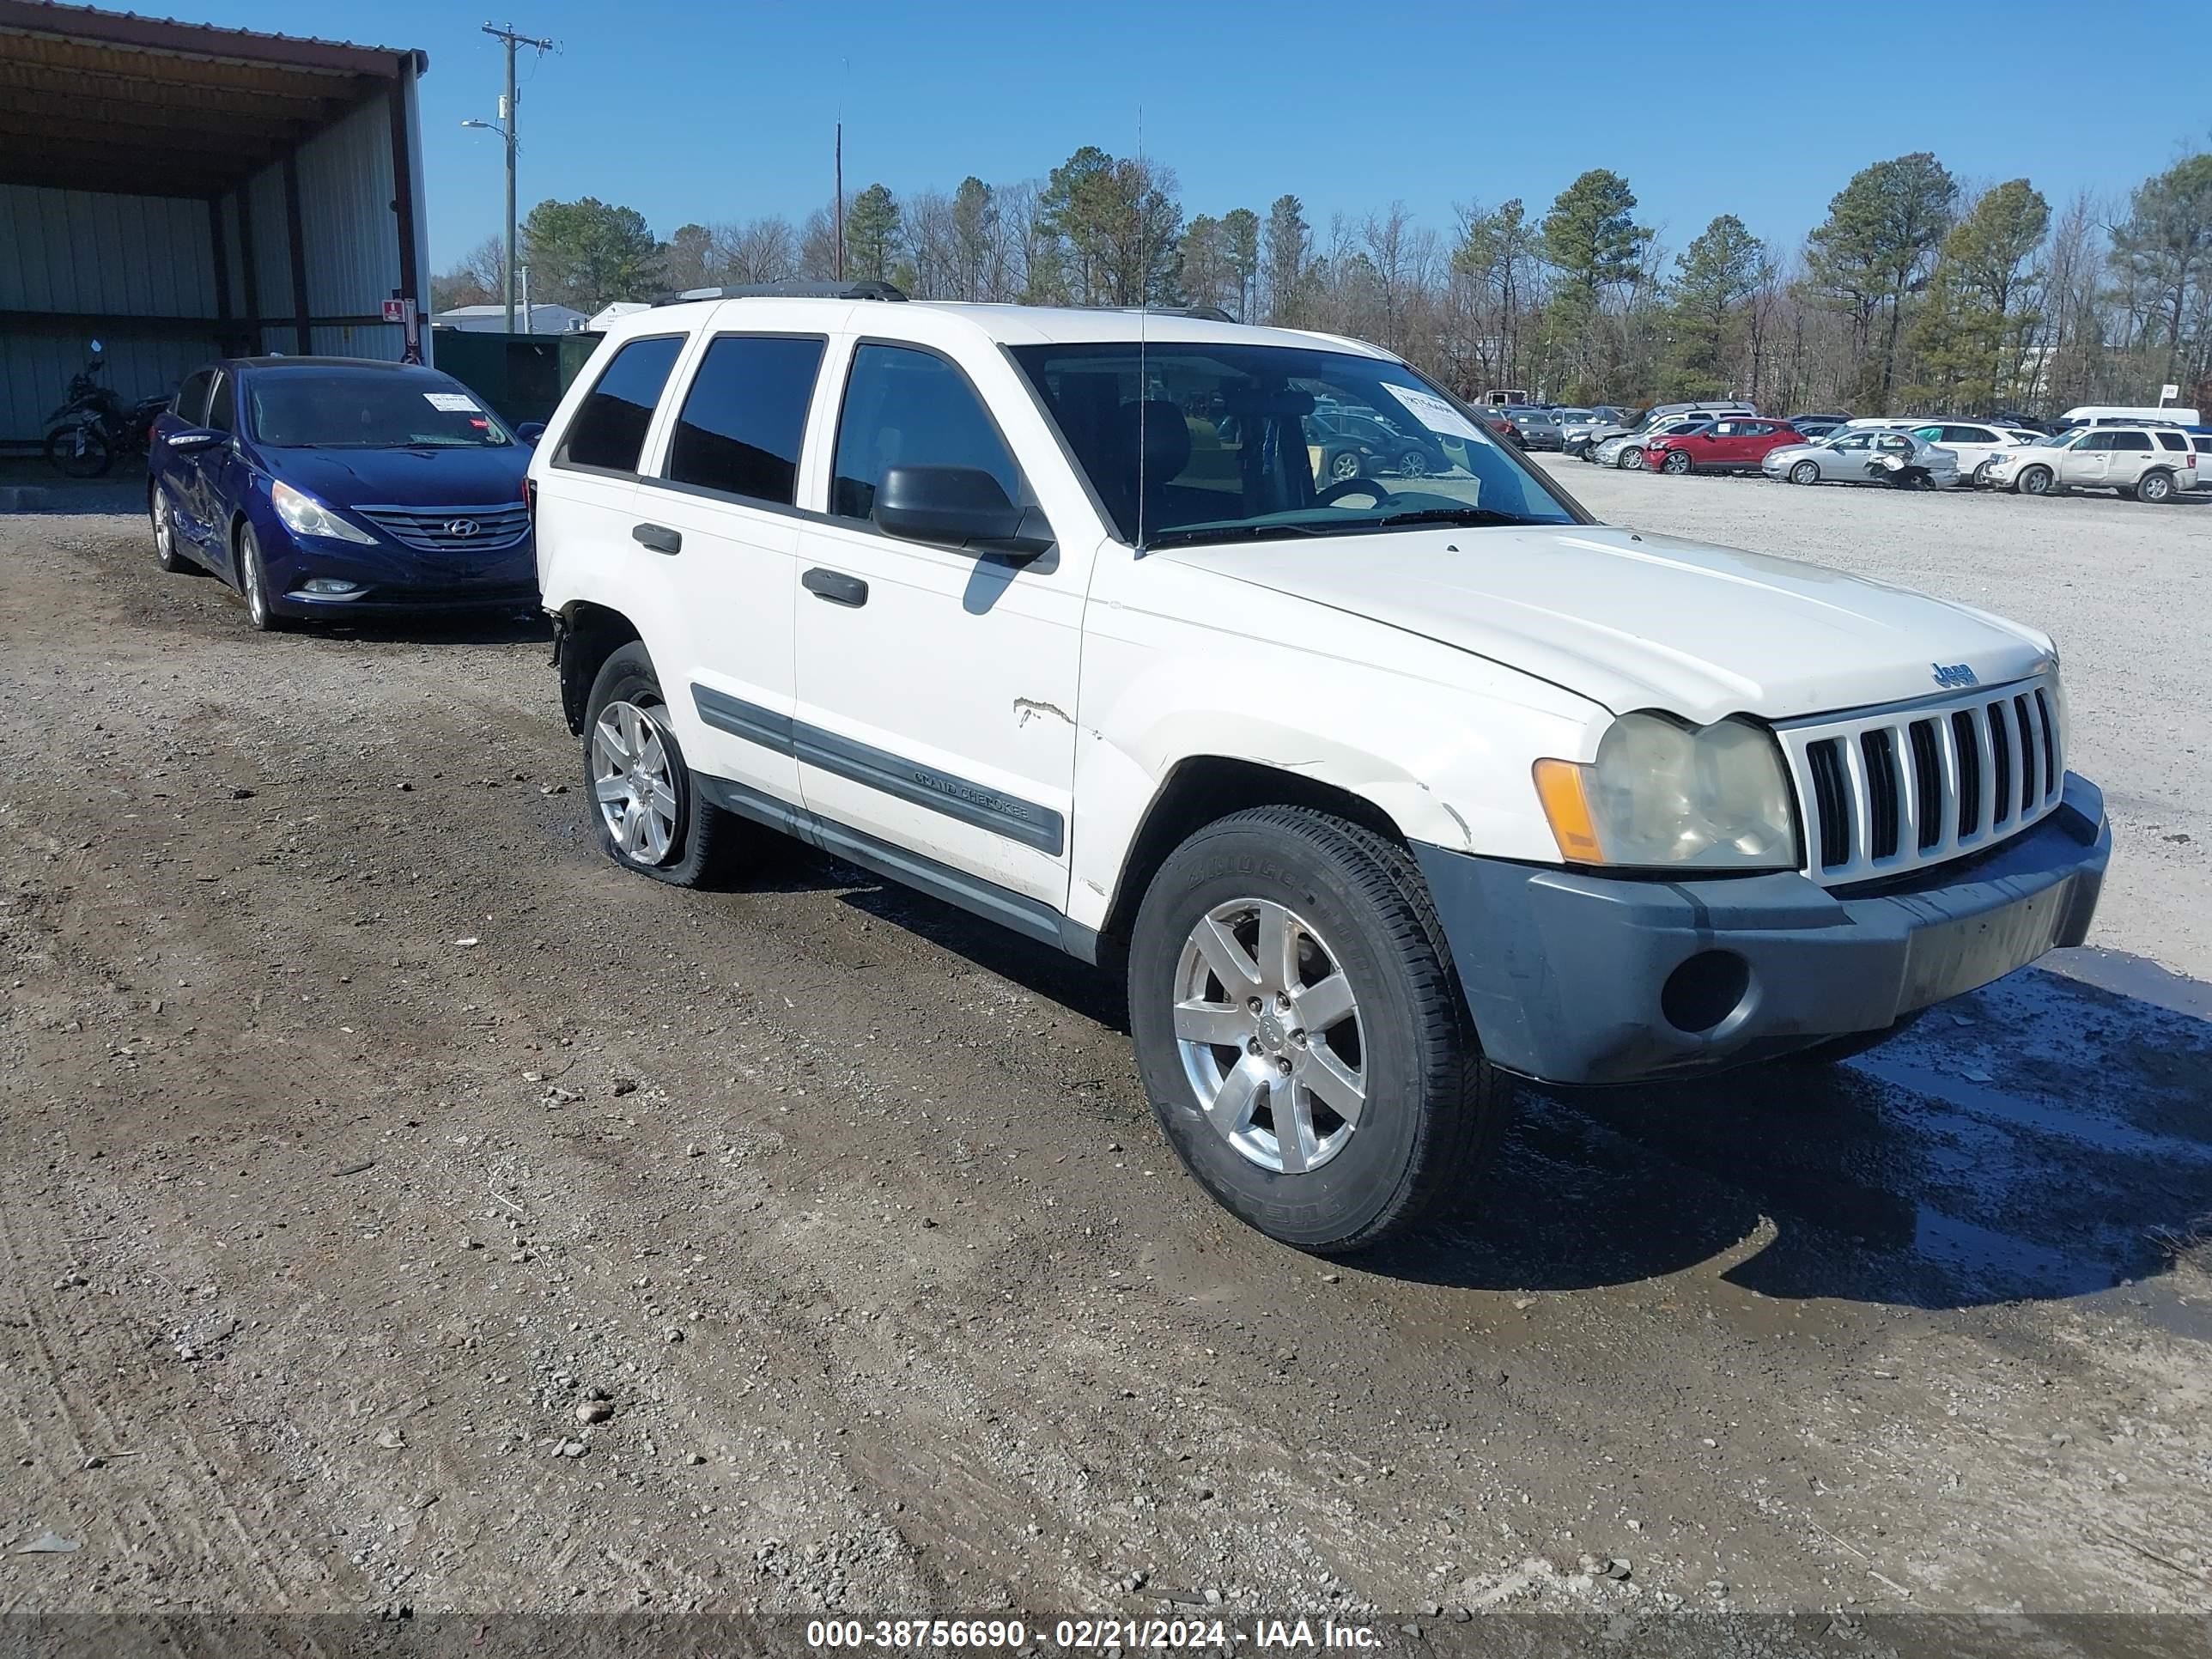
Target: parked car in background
<point x="1625" y="451"/>
<point x="2200" y="440"/>
<point x="2126" y="415"/>
<point x="1578" y="427"/>
<point x="1820" y="417"/>
<point x="1394" y="450"/>
<point x="1815" y="428"/>
<point x="1735" y="443"/>
<point x="2144" y="463"/>
<point x="320" y="487"/>
<point x="1537" y="429"/>
<point x="1863" y="455"/>
<point x="1975" y="443"/>
<point x="1648" y="420"/>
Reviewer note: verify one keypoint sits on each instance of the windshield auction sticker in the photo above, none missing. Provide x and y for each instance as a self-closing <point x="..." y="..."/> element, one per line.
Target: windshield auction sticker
<point x="452" y="403"/>
<point x="1433" y="411"/>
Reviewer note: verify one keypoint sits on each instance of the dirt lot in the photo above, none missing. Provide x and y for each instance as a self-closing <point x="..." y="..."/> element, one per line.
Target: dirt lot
<point x="367" y="1137"/>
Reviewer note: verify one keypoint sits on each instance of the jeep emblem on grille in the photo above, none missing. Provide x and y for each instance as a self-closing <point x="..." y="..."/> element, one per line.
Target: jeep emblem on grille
<point x="468" y="527"/>
<point x="1953" y="677"/>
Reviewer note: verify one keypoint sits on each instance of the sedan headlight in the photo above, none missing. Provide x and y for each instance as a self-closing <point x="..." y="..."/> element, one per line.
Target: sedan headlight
<point x="303" y="515"/>
<point x="1662" y="793"/>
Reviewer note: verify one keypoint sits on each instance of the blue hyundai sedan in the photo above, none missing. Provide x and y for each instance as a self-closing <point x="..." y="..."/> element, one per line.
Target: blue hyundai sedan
<point x="326" y="486"/>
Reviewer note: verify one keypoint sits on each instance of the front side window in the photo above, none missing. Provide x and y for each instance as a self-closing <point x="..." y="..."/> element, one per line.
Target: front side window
<point x="609" y="430"/>
<point x="222" y="404"/>
<point x="743" y="419"/>
<point x="366" y="408"/>
<point x="192" y="402"/>
<point x="1208" y="442"/>
<point x="909" y="408"/>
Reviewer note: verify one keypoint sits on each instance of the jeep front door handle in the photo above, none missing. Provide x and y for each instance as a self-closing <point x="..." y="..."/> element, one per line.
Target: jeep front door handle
<point x="835" y="587"/>
<point x="657" y="537"/>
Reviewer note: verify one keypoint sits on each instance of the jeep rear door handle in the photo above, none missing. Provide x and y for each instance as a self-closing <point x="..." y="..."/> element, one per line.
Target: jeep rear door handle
<point x="834" y="585"/>
<point x="657" y="537"/>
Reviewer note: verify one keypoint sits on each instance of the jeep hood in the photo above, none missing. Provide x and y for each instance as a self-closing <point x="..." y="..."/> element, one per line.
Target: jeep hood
<point x="1633" y="620"/>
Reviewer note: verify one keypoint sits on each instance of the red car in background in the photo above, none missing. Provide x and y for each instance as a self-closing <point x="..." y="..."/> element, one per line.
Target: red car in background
<point x="1736" y="443"/>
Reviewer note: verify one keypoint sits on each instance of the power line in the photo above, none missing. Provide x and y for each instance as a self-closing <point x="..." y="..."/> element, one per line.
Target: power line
<point x="508" y="122"/>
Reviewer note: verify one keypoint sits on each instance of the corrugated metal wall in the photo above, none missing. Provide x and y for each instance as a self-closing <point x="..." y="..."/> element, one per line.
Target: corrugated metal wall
<point x="125" y="256"/>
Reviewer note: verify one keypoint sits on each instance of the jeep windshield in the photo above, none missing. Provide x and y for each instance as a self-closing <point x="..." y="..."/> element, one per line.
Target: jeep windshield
<point x="367" y="409"/>
<point x="1188" y="442"/>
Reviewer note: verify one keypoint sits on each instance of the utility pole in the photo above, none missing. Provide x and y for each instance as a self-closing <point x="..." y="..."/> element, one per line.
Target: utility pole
<point x="507" y="123"/>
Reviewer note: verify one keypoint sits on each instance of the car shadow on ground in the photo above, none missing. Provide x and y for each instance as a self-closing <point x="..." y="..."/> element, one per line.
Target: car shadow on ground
<point x="2044" y="1138"/>
<point x="432" y="628"/>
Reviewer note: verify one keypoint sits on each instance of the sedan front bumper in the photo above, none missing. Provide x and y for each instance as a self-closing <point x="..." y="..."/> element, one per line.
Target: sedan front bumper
<point x="1574" y="977"/>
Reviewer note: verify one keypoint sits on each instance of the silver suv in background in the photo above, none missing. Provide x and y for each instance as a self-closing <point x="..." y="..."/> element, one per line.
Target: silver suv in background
<point x="1647" y="421"/>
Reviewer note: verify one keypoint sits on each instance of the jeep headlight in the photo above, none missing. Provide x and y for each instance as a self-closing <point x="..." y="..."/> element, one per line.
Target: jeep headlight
<point x="1666" y="794"/>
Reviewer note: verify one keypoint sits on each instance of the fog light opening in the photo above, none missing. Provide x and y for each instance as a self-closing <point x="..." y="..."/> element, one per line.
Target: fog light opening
<point x="331" y="586"/>
<point x="1705" y="991"/>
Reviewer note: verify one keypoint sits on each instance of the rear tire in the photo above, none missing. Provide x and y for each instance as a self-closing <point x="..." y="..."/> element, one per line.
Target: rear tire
<point x="658" y="826"/>
<point x="2154" y="489"/>
<point x="79" y="453"/>
<point x="1362" y="957"/>
<point x="166" y="555"/>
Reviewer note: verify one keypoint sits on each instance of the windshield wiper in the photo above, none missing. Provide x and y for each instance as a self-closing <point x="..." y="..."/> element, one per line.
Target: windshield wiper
<point x="1229" y="532"/>
<point x="1479" y="516"/>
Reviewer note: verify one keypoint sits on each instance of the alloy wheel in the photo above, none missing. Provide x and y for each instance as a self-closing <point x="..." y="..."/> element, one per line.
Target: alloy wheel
<point x="1805" y="472"/>
<point x="1267" y="1025"/>
<point x="252" y="579"/>
<point x="632" y="782"/>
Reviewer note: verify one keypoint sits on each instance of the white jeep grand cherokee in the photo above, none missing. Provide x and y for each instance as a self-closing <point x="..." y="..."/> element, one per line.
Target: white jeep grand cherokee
<point x="1387" y="789"/>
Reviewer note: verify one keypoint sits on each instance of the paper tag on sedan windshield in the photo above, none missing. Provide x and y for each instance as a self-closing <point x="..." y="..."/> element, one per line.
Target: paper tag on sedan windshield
<point x="1433" y="411"/>
<point x="452" y="403"/>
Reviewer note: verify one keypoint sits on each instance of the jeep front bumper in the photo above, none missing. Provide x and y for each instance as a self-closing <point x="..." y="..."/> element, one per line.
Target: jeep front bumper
<point x="1577" y="977"/>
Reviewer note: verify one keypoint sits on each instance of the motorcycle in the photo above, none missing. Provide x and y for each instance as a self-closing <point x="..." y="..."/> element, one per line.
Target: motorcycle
<point x="88" y="432"/>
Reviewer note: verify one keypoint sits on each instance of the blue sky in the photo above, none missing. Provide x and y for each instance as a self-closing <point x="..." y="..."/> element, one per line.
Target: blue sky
<point x="692" y="112"/>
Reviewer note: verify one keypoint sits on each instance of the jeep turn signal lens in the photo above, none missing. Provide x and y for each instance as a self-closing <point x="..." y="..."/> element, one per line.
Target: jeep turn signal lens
<point x="1559" y="787"/>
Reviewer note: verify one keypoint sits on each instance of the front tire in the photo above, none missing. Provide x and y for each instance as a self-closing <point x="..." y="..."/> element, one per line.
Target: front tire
<point x="253" y="583"/>
<point x="1677" y="462"/>
<point x="1300" y="1033"/>
<point x="1805" y="472"/>
<point x="644" y="803"/>
<point x="1632" y="459"/>
<point x="2035" y="481"/>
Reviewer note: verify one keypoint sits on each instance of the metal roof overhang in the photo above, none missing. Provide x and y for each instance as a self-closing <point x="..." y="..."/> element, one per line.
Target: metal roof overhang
<point x="103" y="100"/>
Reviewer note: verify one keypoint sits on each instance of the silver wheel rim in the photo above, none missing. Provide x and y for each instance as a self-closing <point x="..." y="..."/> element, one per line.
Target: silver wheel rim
<point x="2154" y="490"/>
<point x="1267" y="1025"/>
<point x="257" y="592"/>
<point x="1413" y="463"/>
<point x="2036" y="481"/>
<point x="1344" y="467"/>
<point x="632" y="781"/>
<point x="161" y="531"/>
<point x="1804" y="472"/>
<point x="1677" y="462"/>
<point x="1631" y="460"/>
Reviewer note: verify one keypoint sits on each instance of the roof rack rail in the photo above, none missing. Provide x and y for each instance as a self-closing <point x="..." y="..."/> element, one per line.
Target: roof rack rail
<point x="865" y="289"/>
<point x="1197" y="313"/>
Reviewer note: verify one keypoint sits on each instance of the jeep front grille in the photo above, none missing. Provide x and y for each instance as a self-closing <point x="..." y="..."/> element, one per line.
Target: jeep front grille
<point x="1888" y="791"/>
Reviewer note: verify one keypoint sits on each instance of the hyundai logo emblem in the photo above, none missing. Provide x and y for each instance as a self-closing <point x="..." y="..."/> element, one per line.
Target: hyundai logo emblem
<point x="460" y="527"/>
<point x="1953" y="677"/>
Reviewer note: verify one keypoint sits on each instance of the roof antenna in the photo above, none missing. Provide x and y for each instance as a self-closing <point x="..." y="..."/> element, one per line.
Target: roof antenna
<point x="1144" y="300"/>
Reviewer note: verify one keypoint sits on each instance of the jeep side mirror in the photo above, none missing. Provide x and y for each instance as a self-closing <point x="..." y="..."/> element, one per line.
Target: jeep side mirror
<point x="960" y="506"/>
<point x="530" y="432"/>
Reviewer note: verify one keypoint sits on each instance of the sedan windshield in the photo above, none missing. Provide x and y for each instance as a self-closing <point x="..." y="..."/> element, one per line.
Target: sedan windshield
<point x="369" y="408"/>
<point x="1216" y="442"/>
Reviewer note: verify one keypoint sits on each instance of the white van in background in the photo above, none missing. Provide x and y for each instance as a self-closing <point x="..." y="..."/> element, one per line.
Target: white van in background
<point x="2122" y="414"/>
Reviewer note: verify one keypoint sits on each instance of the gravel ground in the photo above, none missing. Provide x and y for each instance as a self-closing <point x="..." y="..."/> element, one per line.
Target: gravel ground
<point x="400" y="1206"/>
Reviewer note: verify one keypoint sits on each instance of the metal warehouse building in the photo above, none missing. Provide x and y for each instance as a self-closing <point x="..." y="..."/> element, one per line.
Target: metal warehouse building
<point x="177" y="192"/>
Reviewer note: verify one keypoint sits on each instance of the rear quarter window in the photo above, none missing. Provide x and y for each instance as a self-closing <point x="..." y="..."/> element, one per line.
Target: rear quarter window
<point x="2172" y="440"/>
<point x="608" y="432"/>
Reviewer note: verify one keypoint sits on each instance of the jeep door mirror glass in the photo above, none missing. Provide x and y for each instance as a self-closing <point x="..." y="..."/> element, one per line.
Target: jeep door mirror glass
<point x="530" y="432"/>
<point x="959" y="506"/>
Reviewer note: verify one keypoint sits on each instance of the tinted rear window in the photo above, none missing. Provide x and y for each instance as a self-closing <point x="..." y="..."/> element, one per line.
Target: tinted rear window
<point x="2131" y="440"/>
<point x="2172" y="440"/>
<point x="609" y="430"/>
<point x="744" y="415"/>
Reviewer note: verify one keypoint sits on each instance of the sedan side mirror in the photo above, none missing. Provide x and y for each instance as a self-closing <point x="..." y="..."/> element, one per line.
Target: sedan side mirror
<point x="530" y="432"/>
<point x="196" y="437"/>
<point x="960" y="506"/>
